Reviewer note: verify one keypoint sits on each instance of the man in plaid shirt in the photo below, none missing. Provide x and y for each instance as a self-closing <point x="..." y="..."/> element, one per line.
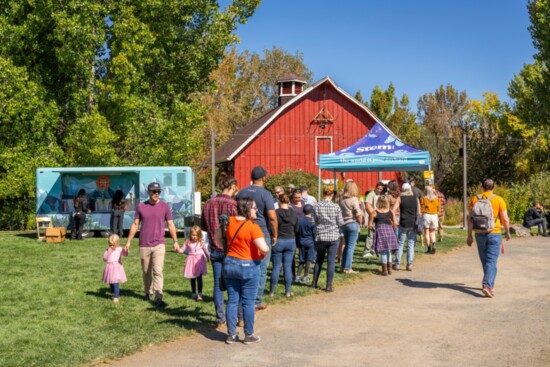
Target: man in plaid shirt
<point x="220" y="204"/>
<point x="440" y="214"/>
<point x="328" y="219"/>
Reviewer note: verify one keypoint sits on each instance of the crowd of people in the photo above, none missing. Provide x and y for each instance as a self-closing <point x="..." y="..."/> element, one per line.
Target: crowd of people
<point x="247" y="228"/>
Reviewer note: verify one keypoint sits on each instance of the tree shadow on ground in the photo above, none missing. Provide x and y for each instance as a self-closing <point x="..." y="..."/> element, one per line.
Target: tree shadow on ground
<point x="430" y="285"/>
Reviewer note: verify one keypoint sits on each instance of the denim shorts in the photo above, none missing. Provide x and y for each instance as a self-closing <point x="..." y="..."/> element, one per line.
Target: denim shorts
<point x="234" y="268"/>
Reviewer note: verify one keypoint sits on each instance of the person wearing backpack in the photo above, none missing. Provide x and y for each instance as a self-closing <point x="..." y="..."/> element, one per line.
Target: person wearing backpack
<point x="486" y="212"/>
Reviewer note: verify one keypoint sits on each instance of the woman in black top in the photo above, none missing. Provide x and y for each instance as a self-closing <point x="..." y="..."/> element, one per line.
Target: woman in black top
<point x="283" y="251"/>
<point x="80" y="209"/>
<point x="409" y="209"/>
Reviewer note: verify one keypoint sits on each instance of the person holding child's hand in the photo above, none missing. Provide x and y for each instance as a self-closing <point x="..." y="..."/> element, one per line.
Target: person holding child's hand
<point x="114" y="271"/>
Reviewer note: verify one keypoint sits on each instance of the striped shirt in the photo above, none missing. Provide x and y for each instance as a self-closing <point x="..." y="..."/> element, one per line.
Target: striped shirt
<point x="442" y="202"/>
<point x="328" y="218"/>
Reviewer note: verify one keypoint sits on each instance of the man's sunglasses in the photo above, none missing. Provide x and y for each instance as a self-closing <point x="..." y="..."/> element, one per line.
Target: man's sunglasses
<point x="155" y="191"/>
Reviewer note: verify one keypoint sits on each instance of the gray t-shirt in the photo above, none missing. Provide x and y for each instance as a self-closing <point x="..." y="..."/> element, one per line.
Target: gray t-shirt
<point x="264" y="202"/>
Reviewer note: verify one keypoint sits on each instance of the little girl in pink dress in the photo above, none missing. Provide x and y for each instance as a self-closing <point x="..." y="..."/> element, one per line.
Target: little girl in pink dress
<point x="114" y="271"/>
<point x="195" y="264"/>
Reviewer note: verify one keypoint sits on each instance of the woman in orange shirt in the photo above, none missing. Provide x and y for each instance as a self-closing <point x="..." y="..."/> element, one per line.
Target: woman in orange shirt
<point x="429" y="206"/>
<point x="241" y="268"/>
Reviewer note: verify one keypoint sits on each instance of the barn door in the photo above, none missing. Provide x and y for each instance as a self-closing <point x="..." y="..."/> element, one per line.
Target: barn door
<point x="323" y="145"/>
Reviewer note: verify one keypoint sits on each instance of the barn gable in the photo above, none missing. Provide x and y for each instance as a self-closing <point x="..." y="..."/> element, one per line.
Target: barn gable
<point x="321" y="119"/>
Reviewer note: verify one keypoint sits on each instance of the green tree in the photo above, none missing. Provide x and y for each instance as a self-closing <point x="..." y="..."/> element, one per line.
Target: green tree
<point x="395" y="113"/>
<point x="530" y="128"/>
<point x="488" y="124"/>
<point x="116" y="80"/>
<point x="530" y="90"/>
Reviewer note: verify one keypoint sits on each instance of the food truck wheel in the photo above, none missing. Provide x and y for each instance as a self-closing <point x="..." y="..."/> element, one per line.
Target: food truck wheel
<point x="105" y="234"/>
<point x="88" y="234"/>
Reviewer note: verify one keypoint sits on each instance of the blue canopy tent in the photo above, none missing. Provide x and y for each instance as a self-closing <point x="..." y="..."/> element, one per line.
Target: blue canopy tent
<point x="378" y="150"/>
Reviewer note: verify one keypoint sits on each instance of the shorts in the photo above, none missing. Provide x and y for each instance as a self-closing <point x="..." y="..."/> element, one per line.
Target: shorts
<point x="307" y="253"/>
<point x="430" y="221"/>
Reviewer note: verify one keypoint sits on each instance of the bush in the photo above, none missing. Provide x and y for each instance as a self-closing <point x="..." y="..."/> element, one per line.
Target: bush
<point x="297" y="178"/>
<point x="453" y="212"/>
<point x="519" y="196"/>
<point x="17" y="214"/>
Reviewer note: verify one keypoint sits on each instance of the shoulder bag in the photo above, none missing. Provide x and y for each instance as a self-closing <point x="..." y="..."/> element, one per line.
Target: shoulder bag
<point x="223" y="286"/>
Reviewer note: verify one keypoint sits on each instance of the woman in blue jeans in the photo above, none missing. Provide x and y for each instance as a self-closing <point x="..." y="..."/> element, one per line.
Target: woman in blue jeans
<point x="353" y="216"/>
<point x="283" y="251"/>
<point x="409" y="208"/>
<point x="241" y="268"/>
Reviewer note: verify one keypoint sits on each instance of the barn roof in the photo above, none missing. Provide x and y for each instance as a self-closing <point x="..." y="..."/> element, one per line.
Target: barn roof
<point x="243" y="137"/>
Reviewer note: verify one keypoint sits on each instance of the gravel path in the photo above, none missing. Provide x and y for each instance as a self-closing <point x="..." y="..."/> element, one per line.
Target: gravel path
<point x="432" y="316"/>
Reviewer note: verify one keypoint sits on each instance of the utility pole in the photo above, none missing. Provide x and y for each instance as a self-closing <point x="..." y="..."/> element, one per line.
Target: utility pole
<point x="464" y="179"/>
<point x="212" y="148"/>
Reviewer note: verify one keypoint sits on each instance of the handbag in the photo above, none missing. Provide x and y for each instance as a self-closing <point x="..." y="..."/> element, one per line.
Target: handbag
<point x="223" y="286"/>
<point x="418" y="223"/>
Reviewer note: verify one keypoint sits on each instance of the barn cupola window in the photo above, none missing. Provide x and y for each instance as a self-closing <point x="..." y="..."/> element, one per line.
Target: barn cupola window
<point x="289" y="87"/>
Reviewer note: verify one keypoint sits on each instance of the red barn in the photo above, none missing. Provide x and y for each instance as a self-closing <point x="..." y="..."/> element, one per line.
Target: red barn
<point x="307" y="122"/>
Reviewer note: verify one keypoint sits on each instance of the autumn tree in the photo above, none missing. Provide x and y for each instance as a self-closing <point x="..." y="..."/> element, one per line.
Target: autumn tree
<point x="442" y="115"/>
<point x="245" y="87"/>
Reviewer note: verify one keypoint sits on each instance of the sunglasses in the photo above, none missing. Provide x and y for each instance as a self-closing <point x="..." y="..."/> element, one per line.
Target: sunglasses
<point x="155" y="191"/>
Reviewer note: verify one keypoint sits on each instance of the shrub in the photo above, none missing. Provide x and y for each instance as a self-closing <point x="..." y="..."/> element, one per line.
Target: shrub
<point x="453" y="212"/>
<point x="297" y="178"/>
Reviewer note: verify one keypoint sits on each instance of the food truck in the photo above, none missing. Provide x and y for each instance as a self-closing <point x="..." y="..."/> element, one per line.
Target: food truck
<point x="57" y="188"/>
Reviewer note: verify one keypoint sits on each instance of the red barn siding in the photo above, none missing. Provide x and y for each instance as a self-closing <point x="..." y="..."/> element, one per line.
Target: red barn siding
<point x="289" y="141"/>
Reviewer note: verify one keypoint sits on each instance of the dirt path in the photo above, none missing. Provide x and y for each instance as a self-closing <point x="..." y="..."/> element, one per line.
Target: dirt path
<point x="432" y="316"/>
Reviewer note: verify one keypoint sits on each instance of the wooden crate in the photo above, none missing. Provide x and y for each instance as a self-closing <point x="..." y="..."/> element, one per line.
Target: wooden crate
<point x="55" y="234"/>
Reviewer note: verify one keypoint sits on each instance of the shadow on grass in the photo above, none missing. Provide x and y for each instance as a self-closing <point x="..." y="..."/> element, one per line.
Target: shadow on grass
<point x="430" y="285"/>
<point x="188" y="294"/>
<point x="105" y="292"/>
<point x="29" y="235"/>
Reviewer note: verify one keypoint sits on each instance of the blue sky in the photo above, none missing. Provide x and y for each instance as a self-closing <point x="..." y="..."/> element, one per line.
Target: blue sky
<point x="474" y="45"/>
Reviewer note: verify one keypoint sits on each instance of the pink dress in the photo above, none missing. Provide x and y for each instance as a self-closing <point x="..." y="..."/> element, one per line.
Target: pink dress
<point x="195" y="265"/>
<point x="114" y="271"/>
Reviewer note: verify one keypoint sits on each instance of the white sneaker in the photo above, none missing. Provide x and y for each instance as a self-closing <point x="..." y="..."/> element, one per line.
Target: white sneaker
<point x="367" y="254"/>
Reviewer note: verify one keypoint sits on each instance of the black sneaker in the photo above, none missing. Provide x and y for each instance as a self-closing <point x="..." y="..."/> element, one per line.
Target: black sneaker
<point x="250" y="339"/>
<point x="160" y="303"/>
<point x="232" y="339"/>
<point x="147" y="297"/>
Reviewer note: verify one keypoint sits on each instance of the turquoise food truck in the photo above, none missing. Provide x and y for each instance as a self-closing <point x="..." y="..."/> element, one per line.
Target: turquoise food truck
<point x="56" y="189"/>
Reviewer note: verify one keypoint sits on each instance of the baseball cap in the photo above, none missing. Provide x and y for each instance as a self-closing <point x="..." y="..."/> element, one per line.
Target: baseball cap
<point x="308" y="209"/>
<point x="258" y="172"/>
<point x="291" y="186"/>
<point x="153" y="186"/>
<point x="406" y="186"/>
<point x="302" y="188"/>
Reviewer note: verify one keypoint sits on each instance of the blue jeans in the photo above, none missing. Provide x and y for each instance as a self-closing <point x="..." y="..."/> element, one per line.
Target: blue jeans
<point x="488" y="247"/>
<point x="115" y="289"/>
<point x="263" y="273"/>
<point x="241" y="277"/>
<point x="329" y="249"/>
<point x="385" y="257"/>
<point x="409" y="235"/>
<point x="216" y="257"/>
<point x="351" y="233"/>
<point x="283" y="254"/>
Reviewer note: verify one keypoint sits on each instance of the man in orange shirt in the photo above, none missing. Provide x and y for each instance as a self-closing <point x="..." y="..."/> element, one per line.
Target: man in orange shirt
<point x="489" y="244"/>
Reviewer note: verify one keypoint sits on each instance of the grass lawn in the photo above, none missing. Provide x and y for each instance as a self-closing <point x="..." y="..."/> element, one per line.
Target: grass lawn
<point x="57" y="312"/>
